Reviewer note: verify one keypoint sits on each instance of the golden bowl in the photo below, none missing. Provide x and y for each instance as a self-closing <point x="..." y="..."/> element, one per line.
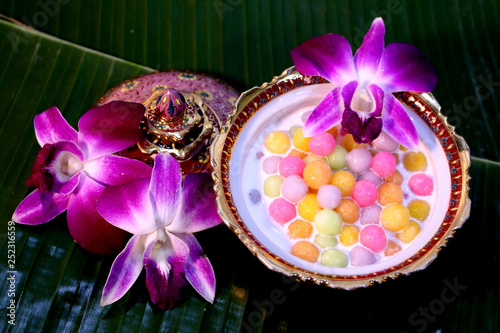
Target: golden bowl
<point x="237" y="146"/>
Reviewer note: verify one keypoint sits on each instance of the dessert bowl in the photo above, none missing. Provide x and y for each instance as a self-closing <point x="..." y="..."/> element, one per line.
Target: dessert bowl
<point x="286" y="101"/>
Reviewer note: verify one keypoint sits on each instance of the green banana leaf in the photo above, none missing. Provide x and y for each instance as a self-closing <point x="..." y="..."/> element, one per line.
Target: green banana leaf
<point x="79" y="50"/>
<point x="248" y="42"/>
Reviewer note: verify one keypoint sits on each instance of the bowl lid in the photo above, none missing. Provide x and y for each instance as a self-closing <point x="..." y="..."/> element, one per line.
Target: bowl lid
<point x="186" y="134"/>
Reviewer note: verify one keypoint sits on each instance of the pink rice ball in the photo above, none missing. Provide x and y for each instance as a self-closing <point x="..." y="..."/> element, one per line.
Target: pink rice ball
<point x="282" y="211"/>
<point x="370" y="215"/>
<point x="373" y="238"/>
<point x="385" y="142"/>
<point x="322" y="144"/>
<point x="359" y="160"/>
<point x="372" y="176"/>
<point x="294" y="188"/>
<point x="360" y="256"/>
<point x="364" y="193"/>
<point x="292" y="165"/>
<point x="421" y="184"/>
<point x="270" y="164"/>
<point x="329" y="196"/>
<point x="384" y="164"/>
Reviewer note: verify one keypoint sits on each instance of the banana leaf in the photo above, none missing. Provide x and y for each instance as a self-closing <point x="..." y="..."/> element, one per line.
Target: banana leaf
<point x="248" y="42"/>
<point x="82" y="49"/>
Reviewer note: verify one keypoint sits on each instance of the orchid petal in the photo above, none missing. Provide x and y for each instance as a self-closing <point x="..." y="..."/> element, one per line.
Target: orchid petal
<point x="403" y="67"/>
<point x="329" y="56"/>
<point x="348" y="91"/>
<point x="110" y="128"/>
<point x="164" y="261"/>
<point x="125" y="270"/>
<point x="378" y="97"/>
<point x="198" y="210"/>
<point x="40" y="207"/>
<point x="51" y="127"/>
<point x="326" y="115"/>
<point x="368" y="55"/>
<point x="66" y="187"/>
<point x="199" y="270"/>
<point x="85" y="224"/>
<point x="116" y="170"/>
<point x="42" y="176"/>
<point x="128" y="207"/>
<point x="362" y="130"/>
<point x="398" y="124"/>
<point x="165" y="189"/>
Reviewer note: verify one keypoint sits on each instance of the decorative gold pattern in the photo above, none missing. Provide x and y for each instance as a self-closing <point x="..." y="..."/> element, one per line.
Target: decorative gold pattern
<point x="184" y="137"/>
<point x="205" y="94"/>
<point x="159" y="87"/>
<point x="129" y="86"/>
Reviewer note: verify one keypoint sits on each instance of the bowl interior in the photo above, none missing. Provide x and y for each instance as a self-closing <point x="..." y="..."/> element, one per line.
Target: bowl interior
<point x="245" y="177"/>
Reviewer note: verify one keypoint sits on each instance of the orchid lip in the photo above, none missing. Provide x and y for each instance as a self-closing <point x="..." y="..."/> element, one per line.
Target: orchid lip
<point x="65" y="166"/>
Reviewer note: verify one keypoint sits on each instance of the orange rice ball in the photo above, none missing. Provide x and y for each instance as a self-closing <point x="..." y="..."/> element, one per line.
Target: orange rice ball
<point x="305" y="250"/>
<point x="349" y="144"/>
<point x="300" y="229"/>
<point x="392" y="248"/>
<point x="334" y="131"/>
<point x="344" y="180"/>
<point x="316" y="174"/>
<point x="408" y="234"/>
<point x="396" y="177"/>
<point x="297" y="153"/>
<point x="390" y="193"/>
<point x="348" y="210"/>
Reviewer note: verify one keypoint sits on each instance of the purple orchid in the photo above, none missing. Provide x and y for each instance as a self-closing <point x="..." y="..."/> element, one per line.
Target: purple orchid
<point x="162" y="214"/>
<point x="362" y="100"/>
<point x="73" y="168"/>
